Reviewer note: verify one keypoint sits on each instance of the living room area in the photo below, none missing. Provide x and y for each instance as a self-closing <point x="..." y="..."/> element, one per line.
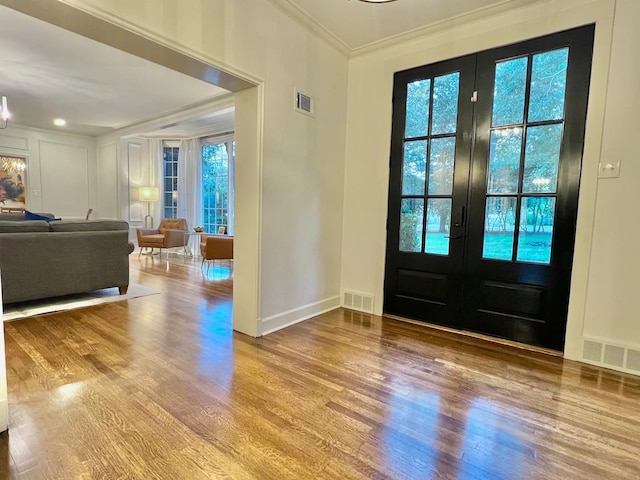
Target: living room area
<point x="92" y="159"/>
<point x="81" y="142"/>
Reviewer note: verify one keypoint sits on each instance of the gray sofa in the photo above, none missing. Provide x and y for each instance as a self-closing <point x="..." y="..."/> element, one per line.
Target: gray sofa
<point x="41" y="260"/>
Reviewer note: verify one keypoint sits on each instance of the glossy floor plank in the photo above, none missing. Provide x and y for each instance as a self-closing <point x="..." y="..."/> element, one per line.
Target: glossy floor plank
<point x="160" y="387"/>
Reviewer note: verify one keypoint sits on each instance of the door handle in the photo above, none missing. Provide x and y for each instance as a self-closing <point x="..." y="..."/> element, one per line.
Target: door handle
<point x="459" y="218"/>
<point x="455" y="237"/>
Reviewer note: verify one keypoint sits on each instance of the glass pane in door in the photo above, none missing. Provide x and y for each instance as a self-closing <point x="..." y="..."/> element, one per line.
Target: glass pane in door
<point x="414" y="167"/>
<point x="438" y="225"/>
<point x="504" y="160"/>
<point x="499" y="228"/>
<point x="445" y="103"/>
<point x="411" y="224"/>
<point x="441" y="162"/>
<point x="542" y="157"/>
<point x="548" y="85"/>
<point x="417" y="117"/>
<point x="509" y="92"/>
<point x="536" y="229"/>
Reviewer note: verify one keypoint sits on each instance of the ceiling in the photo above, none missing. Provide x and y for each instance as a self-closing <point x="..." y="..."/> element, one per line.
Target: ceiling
<point x="48" y="72"/>
<point x="357" y="24"/>
<point x="218" y="121"/>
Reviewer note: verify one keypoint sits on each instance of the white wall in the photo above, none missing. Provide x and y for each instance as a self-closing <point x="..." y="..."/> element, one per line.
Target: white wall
<point x="107" y="170"/>
<point x="61" y="169"/>
<point x="123" y="164"/>
<point x="302" y="169"/>
<point x="613" y="259"/>
<point x="139" y="166"/>
<point x="613" y="304"/>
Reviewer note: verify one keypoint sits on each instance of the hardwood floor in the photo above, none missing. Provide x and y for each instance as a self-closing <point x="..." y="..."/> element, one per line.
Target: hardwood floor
<point x="160" y="388"/>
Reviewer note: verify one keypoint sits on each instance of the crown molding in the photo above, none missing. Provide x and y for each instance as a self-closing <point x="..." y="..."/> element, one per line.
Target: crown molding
<point x="303" y="18"/>
<point x="169" y="118"/>
<point x="13" y="127"/>
<point x="456" y="21"/>
<point x="306" y="20"/>
<point x="204" y="132"/>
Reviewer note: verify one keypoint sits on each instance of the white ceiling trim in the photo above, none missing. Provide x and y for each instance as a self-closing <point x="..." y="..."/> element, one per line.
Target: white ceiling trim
<point x="202" y="132"/>
<point x="307" y="21"/>
<point x="49" y="131"/>
<point x="432" y="28"/>
<point x="303" y="18"/>
<point x="163" y="121"/>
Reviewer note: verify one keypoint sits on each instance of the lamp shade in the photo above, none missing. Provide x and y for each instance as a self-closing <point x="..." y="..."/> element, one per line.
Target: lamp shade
<point x="148" y="194"/>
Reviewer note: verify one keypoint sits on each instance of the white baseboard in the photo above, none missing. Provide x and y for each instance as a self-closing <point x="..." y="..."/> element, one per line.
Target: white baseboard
<point x="286" y="319"/>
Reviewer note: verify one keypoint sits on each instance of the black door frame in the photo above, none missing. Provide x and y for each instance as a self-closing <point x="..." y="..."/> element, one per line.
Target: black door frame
<point x="454" y="262"/>
<point x="557" y="275"/>
<point x="568" y="177"/>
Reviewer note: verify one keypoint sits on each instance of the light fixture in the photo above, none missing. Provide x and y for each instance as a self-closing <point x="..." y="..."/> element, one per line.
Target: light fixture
<point x="377" y="1"/>
<point x="148" y="194"/>
<point x="4" y="113"/>
<point x="59" y="122"/>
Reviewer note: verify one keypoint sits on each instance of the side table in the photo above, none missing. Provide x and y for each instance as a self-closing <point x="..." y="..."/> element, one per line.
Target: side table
<point x="187" y="243"/>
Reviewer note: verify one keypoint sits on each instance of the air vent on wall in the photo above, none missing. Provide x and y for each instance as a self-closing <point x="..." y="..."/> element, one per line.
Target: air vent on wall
<point x="362" y="302"/>
<point x="633" y="360"/>
<point x="613" y="356"/>
<point x="592" y="351"/>
<point x="304" y="103"/>
<point x="616" y="357"/>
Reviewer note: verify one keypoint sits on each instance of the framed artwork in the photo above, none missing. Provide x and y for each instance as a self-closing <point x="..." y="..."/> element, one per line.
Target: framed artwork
<point x="12" y="183"/>
<point x="222" y="230"/>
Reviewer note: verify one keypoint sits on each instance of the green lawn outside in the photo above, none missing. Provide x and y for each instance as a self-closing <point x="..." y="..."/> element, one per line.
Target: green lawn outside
<point x="534" y="247"/>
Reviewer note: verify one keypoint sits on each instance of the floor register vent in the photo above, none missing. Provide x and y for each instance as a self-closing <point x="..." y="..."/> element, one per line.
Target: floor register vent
<point x="362" y="302"/>
<point x="612" y="356"/>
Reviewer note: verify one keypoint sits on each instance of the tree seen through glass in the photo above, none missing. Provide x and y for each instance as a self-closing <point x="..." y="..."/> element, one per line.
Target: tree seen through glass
<point x="509" y="92"/>
<point x="548" y="85"/>
<point x="534" y="171"/>
<point x="418" y="95"/>
<point x="428" y="164"/>
<point x="215" y="187"/>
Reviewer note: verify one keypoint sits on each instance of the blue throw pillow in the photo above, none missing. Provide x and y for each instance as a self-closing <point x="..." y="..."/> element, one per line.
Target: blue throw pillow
<point x="34" y="216"/>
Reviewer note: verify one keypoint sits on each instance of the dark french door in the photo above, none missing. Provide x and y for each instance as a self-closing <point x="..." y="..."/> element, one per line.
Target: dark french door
<point x="485" y="168"/>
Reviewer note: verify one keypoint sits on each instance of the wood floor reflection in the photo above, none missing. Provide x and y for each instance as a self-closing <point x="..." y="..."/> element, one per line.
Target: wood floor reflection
<point x="161" y="388"/>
